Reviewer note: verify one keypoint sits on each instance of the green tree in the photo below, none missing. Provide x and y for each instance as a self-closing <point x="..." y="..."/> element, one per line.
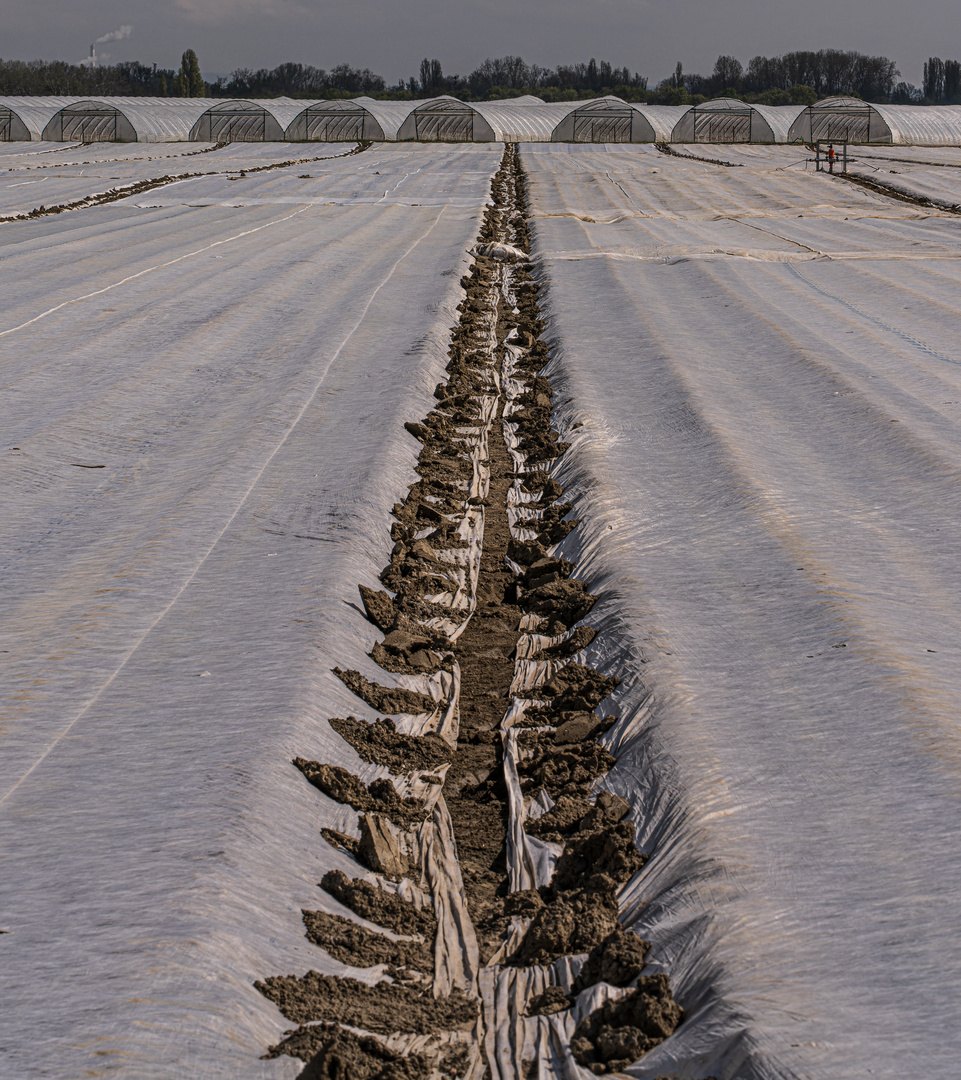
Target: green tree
<point x="191" y="81"/>
<point x="952" y="82"/>
<point x="934" y="80"/>
<point x="802" y="95"/>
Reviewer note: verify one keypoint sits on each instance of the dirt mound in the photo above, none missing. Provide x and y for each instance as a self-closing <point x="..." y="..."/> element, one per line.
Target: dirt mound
<point x="384" y="1007"/>
<point x="334" y="1053"/>
<point x="579" y="639"/>
<point x="407" y="654"/>
<point x="338" y="839"/>
<point x="357" y="946"/>
<point x="379" y="905"/>
<point x="574" y="922"/>
<point x="380" y="797"/>
<point x="561" y="820"/>
<point x="617" y="960"/>
<point x="610" y="851"/>
<point x="386" y="699"/>
<point x="564" y="601"/>
<point x="379" y="607"/>
<point x="619" y="1032"/>
<point x="568" y="770"/>
<point x="380" y="743"/>
<point x="577" y="687"/>
<point x="552" y="1000"/>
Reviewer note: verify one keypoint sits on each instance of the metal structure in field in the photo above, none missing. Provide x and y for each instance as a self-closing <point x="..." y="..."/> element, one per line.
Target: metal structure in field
<point x="728" y="120"/>
<point x="12" y="127"/>
<point x="245" y="121"/>
<point x="522" y="119"/>
<point x="89" y="121"/>
<point x="841" y="119"/>
<point x="335" y="121"/>
<point x="856" y="121"/>
<point x="612" y="120"/>
<point x="237" y="121"/>
<point x="348" y="121"/>
<point x="604" y="122"/>
<point x="445" y="119"/>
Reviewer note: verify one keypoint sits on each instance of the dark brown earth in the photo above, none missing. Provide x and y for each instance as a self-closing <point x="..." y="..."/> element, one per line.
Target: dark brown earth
<point x="619" y="1032"/>
<point x="475" y="792"/>
<point x="384" y="1007"/>
<point x="386" y="699"/>
<point x="378" y="797"/>
<point x="337" y="1054"/>
<point x="379" y="906"/>
<point x="380" y="744"/>
<point x="617" y="960"/>
<point x="357" y="946"/>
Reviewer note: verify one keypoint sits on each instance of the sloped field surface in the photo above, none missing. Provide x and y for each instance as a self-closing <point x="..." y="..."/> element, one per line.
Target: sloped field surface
<point x="203" y="427"/>
<point x="769" y="469"/>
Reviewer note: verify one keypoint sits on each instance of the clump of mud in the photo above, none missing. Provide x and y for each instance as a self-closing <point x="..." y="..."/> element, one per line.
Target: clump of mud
<point x="380" y="743"/>
<point x="619" y="1032"/>
<point x="335" y="1053"/>
<point x="379" y="797"/>
<point x="379" y="906"/>
<point x="386" y="699"/>
<point x="617" y="960"/>
<point x="355" y="945"/>
<point x="380" y="1008"/>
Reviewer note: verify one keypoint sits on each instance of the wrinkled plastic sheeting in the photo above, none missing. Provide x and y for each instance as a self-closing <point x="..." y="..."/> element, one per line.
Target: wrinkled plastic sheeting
<point x="777" y="568"/>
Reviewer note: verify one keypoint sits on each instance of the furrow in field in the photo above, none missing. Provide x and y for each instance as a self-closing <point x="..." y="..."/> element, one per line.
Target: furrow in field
<point x="513" y="836"/>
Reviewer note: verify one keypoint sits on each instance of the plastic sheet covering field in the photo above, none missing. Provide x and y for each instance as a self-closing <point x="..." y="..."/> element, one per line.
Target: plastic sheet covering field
<point x="919" y="172"/>
<point x="763" y="382"/>
<point x="203" y="436"/>
<point x="204" y="174"/>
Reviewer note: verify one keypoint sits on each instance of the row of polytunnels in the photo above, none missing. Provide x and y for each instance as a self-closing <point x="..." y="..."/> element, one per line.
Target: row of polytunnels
<point x="446" y="119"/>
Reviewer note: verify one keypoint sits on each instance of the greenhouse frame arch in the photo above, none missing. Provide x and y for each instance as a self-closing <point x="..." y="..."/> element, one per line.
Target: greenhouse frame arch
<point x="445" y="119"/>
<point x="349" y="120"/>
<point x="25" y="117"/>
<point x="613" y="120"/>
<point x="728" y="120"/>
<point x="855" y="121"/>
<point x="12" y="126"/>
<point x="89" y="121"/>
<point x="245" y="120"/>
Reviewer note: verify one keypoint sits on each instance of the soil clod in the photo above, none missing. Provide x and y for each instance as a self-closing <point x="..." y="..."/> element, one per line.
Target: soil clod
<point x="619" y="1032"/>
<point x="380" y="743"/>
<point x="357" y="946"/>
<point x="379" y="906"/>
<point x="382" y="1007"/>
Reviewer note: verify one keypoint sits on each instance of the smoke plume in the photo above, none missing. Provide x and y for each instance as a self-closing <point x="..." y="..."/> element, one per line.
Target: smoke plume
<point x="115" y="35"/>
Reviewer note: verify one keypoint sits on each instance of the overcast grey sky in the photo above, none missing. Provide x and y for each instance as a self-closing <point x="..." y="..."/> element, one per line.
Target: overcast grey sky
<point x="391" y="38"/>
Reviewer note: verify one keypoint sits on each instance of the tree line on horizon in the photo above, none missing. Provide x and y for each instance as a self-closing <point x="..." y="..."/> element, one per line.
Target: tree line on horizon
<point x="798" y="78"/>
